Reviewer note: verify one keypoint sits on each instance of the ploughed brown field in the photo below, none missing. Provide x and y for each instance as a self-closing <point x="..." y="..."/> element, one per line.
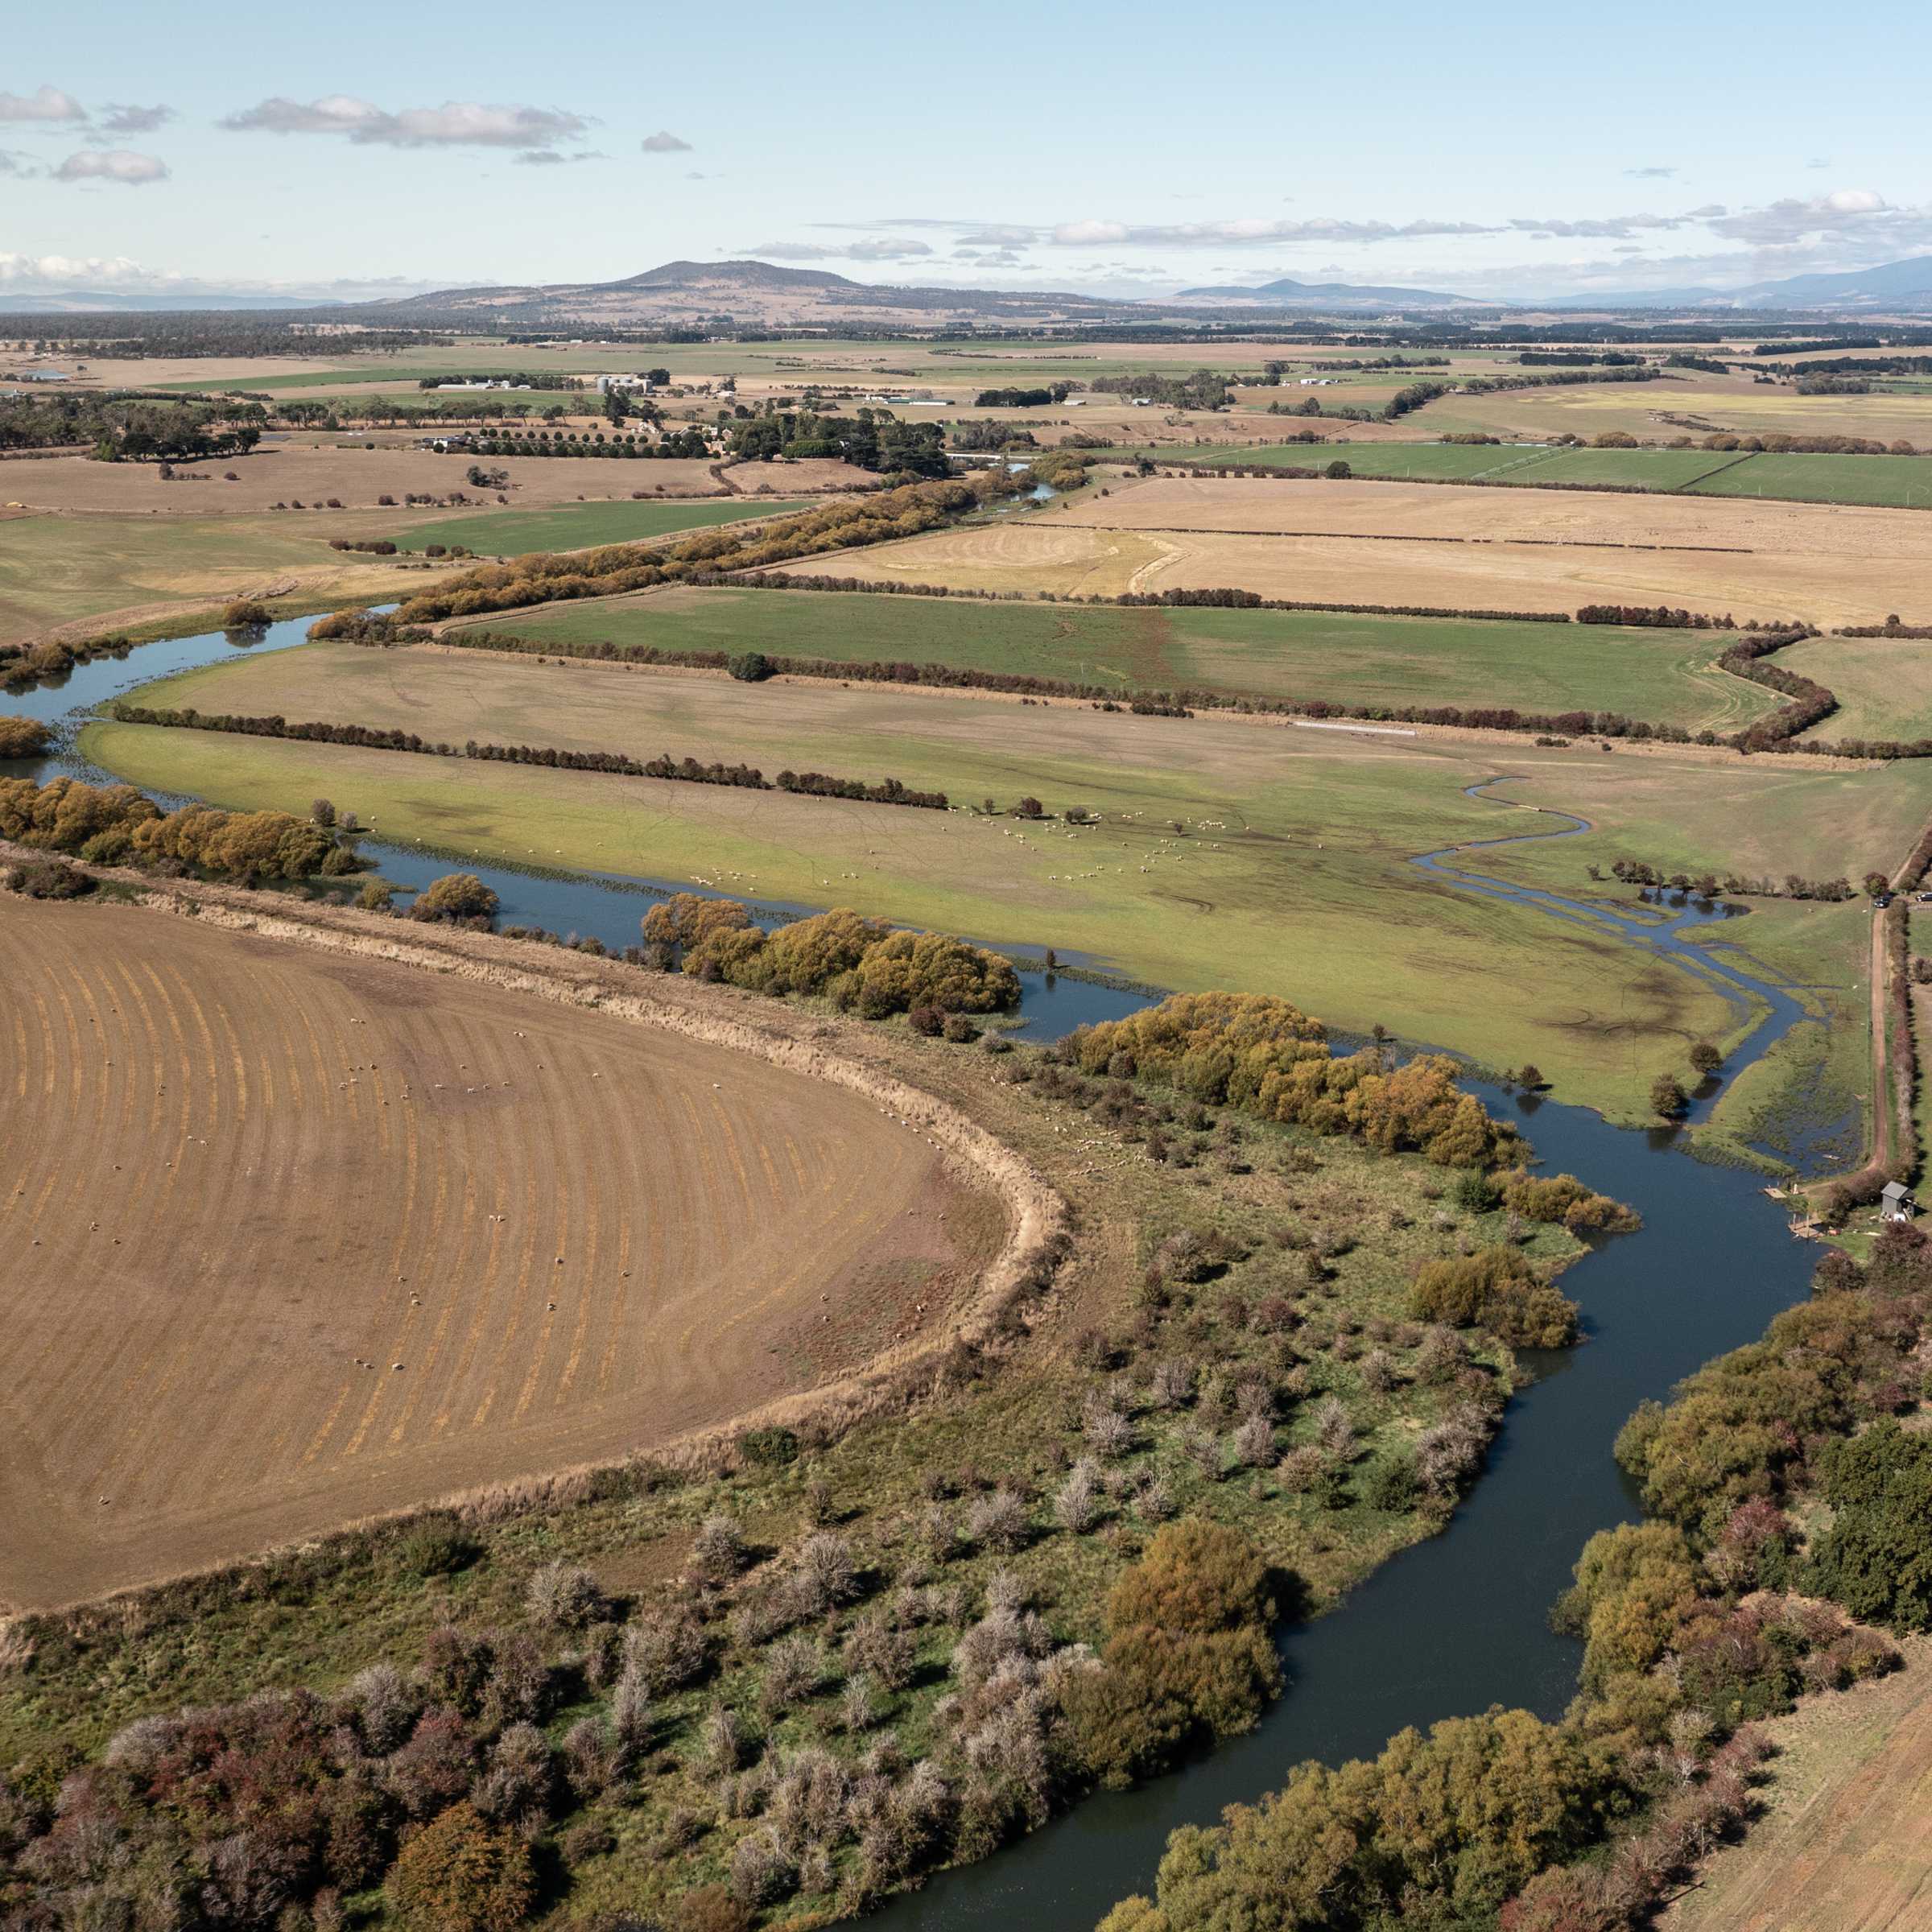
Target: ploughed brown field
<point x="1437" y="546"/>
<point x="294" y="1237"/>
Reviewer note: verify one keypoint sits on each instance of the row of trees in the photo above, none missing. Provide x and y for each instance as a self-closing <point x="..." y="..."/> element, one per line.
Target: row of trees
<point x="542" y="578"/>
<point x="886" y="792"/>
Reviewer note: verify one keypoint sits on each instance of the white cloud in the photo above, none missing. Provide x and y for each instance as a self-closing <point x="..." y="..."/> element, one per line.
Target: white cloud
<point x="1850" y="210"/>
<point x="44" y="104"/>
<point x="112" y="164"/>
<point x="884" y="251"/>
<point x="51" y="269"/>
<point x="547" y="157"/>
<point x="1650" y="173"/>
<point x="663" y="142"/>
<point x="879" y="250"/>
<point x="455" y="124"/>
<point x="122" y="118"/>
<point x="1195" y="234"/>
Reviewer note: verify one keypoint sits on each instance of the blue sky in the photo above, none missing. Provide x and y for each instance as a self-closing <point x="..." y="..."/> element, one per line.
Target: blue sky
<point x="1502" y="148"/>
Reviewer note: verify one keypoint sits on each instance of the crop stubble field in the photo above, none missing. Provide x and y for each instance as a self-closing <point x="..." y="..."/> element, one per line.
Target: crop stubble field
<point x="313" y="1236"/>
<point x="1393" y="543"/>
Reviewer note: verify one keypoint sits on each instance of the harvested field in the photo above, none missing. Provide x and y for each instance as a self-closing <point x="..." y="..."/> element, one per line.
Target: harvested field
<point x="1394" y="543"/>
<point x="283" y="469"/>
<point x="1843" y="1847"/>
<point x="297" y="1237"/>
<point x="788" y="478"/>
<point x="1644" y="410"/>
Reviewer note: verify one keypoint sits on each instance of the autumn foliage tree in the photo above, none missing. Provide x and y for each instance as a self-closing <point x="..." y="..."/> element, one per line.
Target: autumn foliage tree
<point x="1188" y="1653"/>
<point x="1495" y="1288"/>
<point x="461" y="1874"/>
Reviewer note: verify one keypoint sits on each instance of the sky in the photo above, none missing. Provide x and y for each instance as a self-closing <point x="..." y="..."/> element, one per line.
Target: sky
<point x="1503" y="149"/>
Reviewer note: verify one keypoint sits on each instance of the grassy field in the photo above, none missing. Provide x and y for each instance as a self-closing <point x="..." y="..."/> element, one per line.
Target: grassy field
<point x="1887" y="482"/>
<point x="1288" y="873"/>
<point x="1891" y="482"/>
<point x="56" y="570"/>
<point x="581" y="526"/>
<point x="1661" y="675"/>
<point x="1884" y="685"/>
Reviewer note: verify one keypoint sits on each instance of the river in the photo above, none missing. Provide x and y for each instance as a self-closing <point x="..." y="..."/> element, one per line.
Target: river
<point x="1459" y="1622"/>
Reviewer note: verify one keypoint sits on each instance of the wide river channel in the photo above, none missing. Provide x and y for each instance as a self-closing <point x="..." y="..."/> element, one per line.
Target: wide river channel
<point x="1448" y="1627"/>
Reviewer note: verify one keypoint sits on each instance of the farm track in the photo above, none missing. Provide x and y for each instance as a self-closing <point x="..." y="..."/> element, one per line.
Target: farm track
<point x="256" y="1160"/>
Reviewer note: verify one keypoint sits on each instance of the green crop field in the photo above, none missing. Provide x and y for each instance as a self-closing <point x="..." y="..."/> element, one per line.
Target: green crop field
<point x="1884" y="482"/>
<point x="1880" y="482"/>
<point x="1262" y="857"/>
<point x="1663" y="676"/>
<point x="582" y="525"/>
<point x="1883" y="685"/>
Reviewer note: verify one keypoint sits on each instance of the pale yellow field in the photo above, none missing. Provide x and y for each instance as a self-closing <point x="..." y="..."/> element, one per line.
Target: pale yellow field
<point x="1370" y="542"/>
<point x="283" y="469"/>
<point x="1644" y="409"/>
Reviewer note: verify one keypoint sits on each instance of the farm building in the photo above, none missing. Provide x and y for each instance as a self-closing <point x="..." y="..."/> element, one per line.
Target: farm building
<point x="1894" y="1203"/>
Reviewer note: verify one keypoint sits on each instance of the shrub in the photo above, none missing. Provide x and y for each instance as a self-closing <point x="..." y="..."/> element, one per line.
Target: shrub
<point x="462" y="1874"/>
<point x="49" y="879"/>
<point x="770" y="1448"/>
<point x="824" y="1574"/>
<point x="718" y="1548"/>
<point x="436" y="1546"/>
<point x="562" y="1594"/>
<point x="24" y="738"/>
<point x="998" y="1520"/>
<point x="457" y="897"/>
<point x="246" y="613"/>
<point x="1495" y="1288"/>
<point x="750" y="667"/>
<point x="1188" y="1652"/>
<point x="666" y="1649"/>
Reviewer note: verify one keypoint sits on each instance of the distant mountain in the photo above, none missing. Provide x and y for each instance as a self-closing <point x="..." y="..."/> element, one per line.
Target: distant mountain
<point x="746" y="291"/>
<point x="1286" y="293"/>
<point x="1894" y="287"/>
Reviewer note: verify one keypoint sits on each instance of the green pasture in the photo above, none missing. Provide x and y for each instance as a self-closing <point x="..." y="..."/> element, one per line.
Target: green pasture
<point x="1883" y="685"/>
<point x="1663" y="676"/>
<point x="584" y="526"/>
<point x="1267" y="858"/>
<point x="1883" y="481"/>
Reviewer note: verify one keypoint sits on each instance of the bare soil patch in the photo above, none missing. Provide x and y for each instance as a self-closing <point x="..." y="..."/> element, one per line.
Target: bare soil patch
<point x="298" y="1236"/>
<point x="788" y="479"/>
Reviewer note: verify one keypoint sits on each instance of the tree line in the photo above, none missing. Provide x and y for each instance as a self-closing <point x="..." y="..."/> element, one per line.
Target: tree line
<point x="818" y="784"/>
<point x="541" y="577"/>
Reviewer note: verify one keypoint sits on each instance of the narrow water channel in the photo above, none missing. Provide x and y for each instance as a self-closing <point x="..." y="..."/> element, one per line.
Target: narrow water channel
<point x="1458" y="1622"/>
